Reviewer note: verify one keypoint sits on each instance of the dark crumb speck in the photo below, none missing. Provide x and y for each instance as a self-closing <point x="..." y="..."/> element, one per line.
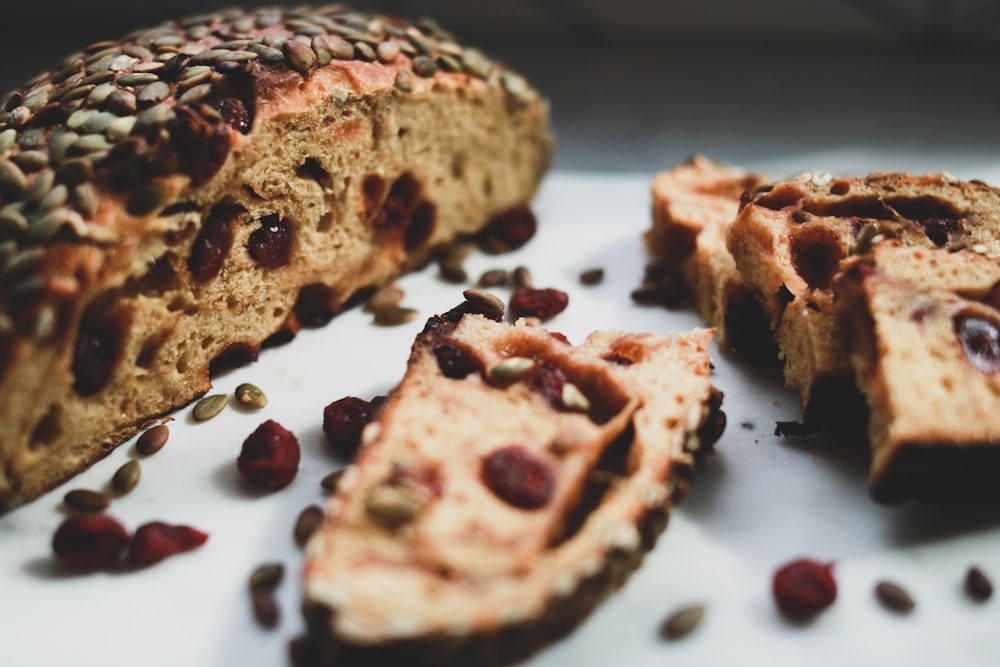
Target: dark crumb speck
<point x="748" y="425"/>
<point x="794" y="429"/>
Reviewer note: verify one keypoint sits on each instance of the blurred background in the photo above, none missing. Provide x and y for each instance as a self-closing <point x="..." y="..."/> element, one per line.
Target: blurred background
<point x="636" y="86"/>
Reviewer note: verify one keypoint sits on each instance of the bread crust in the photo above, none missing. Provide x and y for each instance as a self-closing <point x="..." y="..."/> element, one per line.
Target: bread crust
<point x="329" y="171"/>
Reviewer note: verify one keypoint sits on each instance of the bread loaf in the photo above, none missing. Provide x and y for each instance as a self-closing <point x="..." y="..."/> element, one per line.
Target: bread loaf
<point x="924" y="328"/>
<point x="789" y="242"/>
<point x="510" y="482"/>
<point x="693" y="205"/>
<point x="176" y="198"/>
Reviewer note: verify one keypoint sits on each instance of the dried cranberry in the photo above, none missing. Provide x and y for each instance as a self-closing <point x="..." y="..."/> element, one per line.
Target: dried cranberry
<point x="454" y="361"/>
<point x="980" y="340"/>
<point x="156" y="540"/>
<point x="515" y="226"/>
<point x="548" y="380"/>
<point x="992" y="297"/>
<point x="421" y="225"/>
<point x="89" y="542"/>
<point x="938" y="229"/>
<point x="518" y="477"/>
<point x="211" y="246"/>
<point x="543" y="303"/>
<point x="271" y="245"/>
<point x="804" y="587"/>
<point x="97" y="347"/>
<point x="234" y="113"/>
<point x="270" y="456"/>
<point x="343" y="422"/>
<point x="201" y="146"/>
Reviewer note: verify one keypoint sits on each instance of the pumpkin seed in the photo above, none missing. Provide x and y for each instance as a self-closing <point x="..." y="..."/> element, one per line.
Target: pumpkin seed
<point x="209" y="407"/>
<point x="574" y="399"/>
<point x="493" y="278"/>
<point x="299" y="56"/>
<point x="126" y="477"/>
<point x="85" y="500"/>
<point x="978" y="585"/>
<point x="682" y="622"/>
<point x="152" y="440"/>
<point x="265" y="608"/>
<point x="894" y="597"/>
<point x="522" y="277"/>
<point x="330" y="481"/>
<point x="266" y="577"/>
<point x="424" y="67"/>
<point x="404" y="81"/>
<point x="485" y="303"/>
<point x="452" y="271"/>
<point x="394" y="316"/>
<point x="393" y="505"/>
<point x="387" y="296"/>
<point x="251" y="396"/>
<point x="512" y="369"/>
<point x="592" y="277"/>
<point x="388" y="51"/>
<point x="309" y="520"/>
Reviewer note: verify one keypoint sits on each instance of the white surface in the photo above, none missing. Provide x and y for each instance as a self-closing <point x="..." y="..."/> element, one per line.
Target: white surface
<point x="760" y="501"/>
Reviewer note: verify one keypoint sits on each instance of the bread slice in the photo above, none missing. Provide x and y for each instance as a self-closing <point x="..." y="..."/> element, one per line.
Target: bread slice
<point x="790" y="241"/>
<point x="498" y="500"/>
<point x="693" y="204"/>
<point x="925" y="334"/>
<point x="177" y="197"/>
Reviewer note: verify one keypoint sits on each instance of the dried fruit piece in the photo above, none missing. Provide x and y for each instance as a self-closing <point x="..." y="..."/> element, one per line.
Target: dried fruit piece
<point x="343" y="422"/>
<point x="271" y="245"/>
<point x="804" y="587"/>
<point x="518" y="477"/>
<point x="543" y="303"/>
<point x="454" y="361"/>
<point x="270" y="456"/>
<point x="513" y="228"/>
<point x="681" y="622"/>
<point x="977" y="585"/>
<point x="211" y="247"/>
<point x="980" y="339"/>
<point x="157" y="540"/>
<point x="88" y="543"/>
<point x="894" y="597"/>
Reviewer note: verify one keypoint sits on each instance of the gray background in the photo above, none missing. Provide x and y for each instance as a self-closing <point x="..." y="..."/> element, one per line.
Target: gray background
<point x="636" y="86"/>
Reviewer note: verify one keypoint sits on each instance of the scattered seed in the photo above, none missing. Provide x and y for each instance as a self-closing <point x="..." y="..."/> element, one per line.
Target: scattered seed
<point x="251" y="396"/>
<point x="394" y="316"/>
<point x="265" y="608"/>
<point x="452" y="272"/>
<point x="493" y="278"/>
<point x="330" y="481"/>
<point x="152" y="440"/>
<point x="209" y="407"/>
<point x="592" y="277"/>
<point x="387" y="296"/>
<point x="894" y="597"/>
<point x="977" y="585"/>
<point x="85" y="500"/>
<point x="309" y="520"/>
<point x="682" y="622"/>
<point x="521" y="277"/>
<point x="299" y="56"/>
<point x="267" y="577"/>
<point x="126" y="477"/>
<point x="485" y="303"/>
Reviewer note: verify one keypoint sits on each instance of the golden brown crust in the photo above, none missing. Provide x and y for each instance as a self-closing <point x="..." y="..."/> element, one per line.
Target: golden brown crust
<point x="185" y="193"/>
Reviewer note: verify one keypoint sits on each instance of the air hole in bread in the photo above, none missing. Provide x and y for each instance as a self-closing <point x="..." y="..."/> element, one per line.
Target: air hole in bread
<point x="611" y="469"/>
<point x="870" y="207"/>
<point x="840" y="187"/>
<point x="48" y="428"/>
<point x="150" y="348"/>
<point x="748" y="330"/>
<point x="372" y="194"/>
<point x="312" y="169"/>
<point x="815" y="256"/>
<point x="248" y="189"/>
<point x="178" y="208"/>
<point x="325" y="223"/>
<point x="183" y="363"/>
<point x="458" y="161"/>
<point x="400" y="202"/>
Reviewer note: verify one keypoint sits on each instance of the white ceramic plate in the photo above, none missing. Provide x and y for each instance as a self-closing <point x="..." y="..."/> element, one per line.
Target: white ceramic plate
<point x="760" y="501"/>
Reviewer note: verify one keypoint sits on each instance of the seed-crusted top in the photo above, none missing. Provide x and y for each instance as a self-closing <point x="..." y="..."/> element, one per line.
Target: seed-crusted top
<point x="116" y="120"/>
